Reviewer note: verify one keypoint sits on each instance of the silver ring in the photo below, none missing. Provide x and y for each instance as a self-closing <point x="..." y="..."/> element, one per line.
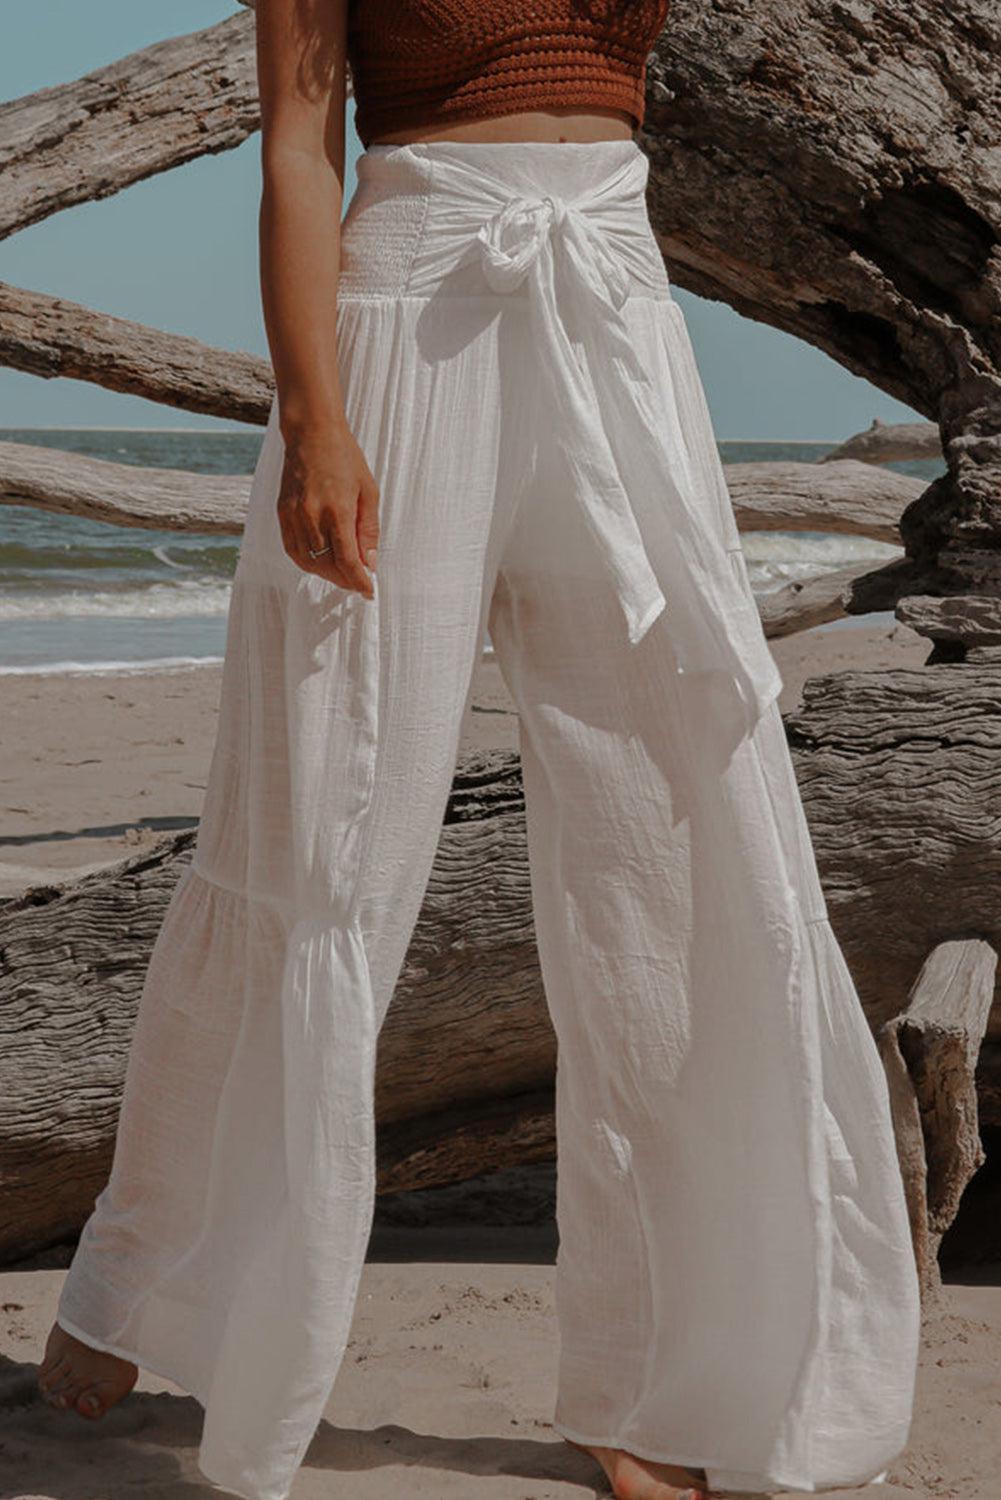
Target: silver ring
<point x="319" y="553"/>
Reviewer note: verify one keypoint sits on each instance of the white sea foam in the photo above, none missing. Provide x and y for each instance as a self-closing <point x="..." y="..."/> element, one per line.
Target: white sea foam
<point x="203" y="600"/>
<point x="775" y="558"/>
<point x="153" y="664"/>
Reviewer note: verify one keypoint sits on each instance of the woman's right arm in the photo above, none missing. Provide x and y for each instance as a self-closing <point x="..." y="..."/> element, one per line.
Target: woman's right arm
<point x="328" y="497"/>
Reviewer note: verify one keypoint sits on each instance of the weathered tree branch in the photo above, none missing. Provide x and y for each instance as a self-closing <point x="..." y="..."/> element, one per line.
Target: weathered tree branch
<point x="49" y="336"/>
<point x="168" y="104"/>
<point x="125" y="494"/>
<point x="788" y="497"/>
<point x="833" y="171"/>
<point x="910" y="756"/>
<point x="766" y="496"/>
<point x="75" y="955"/>
<point x="807" y="602"/>
<point x="844" y="497"/>
<point x="470" y="982"/>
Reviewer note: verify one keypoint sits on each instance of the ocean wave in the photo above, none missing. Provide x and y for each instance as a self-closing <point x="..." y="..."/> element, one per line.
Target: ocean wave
<point x="775" y="558"/>
<point x="149" y="664"/>
<point x="34" y="555"/>
<point x="201" y="599"/>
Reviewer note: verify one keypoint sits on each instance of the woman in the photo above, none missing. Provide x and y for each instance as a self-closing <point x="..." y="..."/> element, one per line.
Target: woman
<point x="488" y="413"/>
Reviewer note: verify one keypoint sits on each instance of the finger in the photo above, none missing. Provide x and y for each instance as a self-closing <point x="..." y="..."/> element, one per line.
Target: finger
<point x="302" y="537"/>
<point x="322" y="553"/>
<point x="327" y="536"/>
<point x="368" y="522"/>
<point x="344" y="531"/>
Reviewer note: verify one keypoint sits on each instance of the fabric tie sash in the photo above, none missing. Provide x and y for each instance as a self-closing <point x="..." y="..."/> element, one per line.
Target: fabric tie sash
<point x="560" y="250"/>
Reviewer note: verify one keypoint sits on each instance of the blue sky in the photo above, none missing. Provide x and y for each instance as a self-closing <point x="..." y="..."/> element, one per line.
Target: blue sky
<point x="180" y="252"/>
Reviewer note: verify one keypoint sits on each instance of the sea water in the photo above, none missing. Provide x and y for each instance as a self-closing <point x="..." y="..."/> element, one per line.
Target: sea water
<point x="82" y="595"/>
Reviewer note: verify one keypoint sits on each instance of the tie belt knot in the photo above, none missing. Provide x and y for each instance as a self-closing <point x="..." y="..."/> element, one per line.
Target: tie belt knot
<point x="557" y="206"/>
<point x="513" y="237"/>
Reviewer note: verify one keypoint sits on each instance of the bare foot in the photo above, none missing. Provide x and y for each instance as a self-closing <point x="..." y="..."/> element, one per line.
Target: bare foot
<point x="635" y="1478"/>
<point x="76" y="1377"/>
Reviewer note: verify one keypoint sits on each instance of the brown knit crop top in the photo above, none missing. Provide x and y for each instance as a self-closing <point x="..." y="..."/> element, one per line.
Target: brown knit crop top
<point x="422" y="62"/>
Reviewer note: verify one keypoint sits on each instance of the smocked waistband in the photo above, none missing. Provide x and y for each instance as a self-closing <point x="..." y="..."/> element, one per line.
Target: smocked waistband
<point x="410" y="227"/>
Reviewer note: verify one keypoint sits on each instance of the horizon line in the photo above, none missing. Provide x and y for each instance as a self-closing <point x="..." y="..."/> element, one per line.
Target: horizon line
<point x="246" y="431"/>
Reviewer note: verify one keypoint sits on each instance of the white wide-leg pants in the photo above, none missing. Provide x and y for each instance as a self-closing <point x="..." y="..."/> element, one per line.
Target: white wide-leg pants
<point x="735" y="1285"/>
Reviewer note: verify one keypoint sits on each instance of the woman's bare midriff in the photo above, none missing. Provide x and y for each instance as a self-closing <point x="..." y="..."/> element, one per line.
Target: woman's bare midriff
<point x="525" y="125"/>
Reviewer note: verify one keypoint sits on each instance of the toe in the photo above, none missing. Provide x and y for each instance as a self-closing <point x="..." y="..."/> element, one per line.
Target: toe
<point x="69" y="1391"/>
<point x="55" y="1388"/>
<point x="89" y="1404"/>
<point x="63" y="1395"/>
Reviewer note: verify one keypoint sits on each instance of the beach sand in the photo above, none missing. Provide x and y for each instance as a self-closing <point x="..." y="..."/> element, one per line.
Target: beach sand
<point x="93" y="768"/>
<point x="446" y="1391"/>
<point x="447" y="1387"/>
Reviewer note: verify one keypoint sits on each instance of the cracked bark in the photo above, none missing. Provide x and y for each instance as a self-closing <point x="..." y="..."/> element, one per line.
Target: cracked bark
<point x="74" y="954"/>
<point x="831" y="169"/>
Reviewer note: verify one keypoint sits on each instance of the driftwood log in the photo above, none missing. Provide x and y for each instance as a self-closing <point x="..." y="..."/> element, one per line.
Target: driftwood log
<point x="806" y="602"/>
<point x="467" y="1052"/>
<point x="466" y="1055"/>
<point x="833" y="170"/>
<point x="930" y="1054"/>
<point x="50" y="336"/>
<point x="75" y="484"/>
<point x="806" y="497"/>
<point x="849" y="497"/>
<point x="910" y="755"/>
<point x="143" y="114"/>
<point x="971" y="618"/>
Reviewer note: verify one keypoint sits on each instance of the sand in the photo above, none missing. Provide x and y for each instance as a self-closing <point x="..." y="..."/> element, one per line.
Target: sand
<point x="94" y="767"/>
<point x="447" y="1388"/>
<point x="446" y="1392"/>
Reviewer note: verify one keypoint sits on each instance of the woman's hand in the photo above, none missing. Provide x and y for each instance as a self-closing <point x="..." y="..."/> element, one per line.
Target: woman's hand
<point x="329" y="499"/>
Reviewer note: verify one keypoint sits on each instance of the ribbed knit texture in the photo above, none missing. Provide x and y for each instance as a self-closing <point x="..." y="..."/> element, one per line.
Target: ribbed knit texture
<point x="424" y="62"/>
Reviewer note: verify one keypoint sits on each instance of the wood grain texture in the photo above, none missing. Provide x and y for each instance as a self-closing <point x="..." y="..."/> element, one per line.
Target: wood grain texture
<point x="974" y="618"/>
<point x="930" y="1053"/>
<point x="155" y="109"/>
<point x="900" y="775"/>
<point x="847" y="497"/>
<point x="466" y="1057"/>
<point x="50" y="336"/>
<point x="55" y="479"/>
<point x="832" y="170"/>
<point x="806" y="602"/>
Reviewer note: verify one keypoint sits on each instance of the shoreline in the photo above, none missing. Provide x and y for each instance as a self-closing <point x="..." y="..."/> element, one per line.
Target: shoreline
<point x="165" y="664"/>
